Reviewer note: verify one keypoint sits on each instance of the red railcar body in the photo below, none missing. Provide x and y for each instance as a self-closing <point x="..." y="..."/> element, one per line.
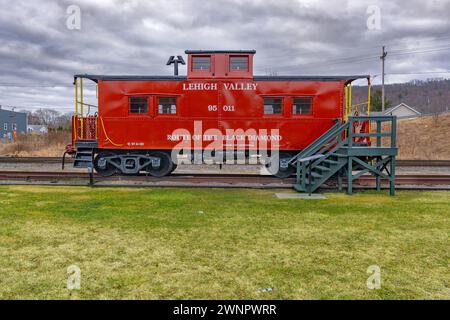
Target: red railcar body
<point x="151" y="130"/>
<point x="219" y="94"/>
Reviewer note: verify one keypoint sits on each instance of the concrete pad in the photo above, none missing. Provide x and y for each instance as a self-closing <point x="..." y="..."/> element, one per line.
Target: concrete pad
<point x="305" y="196"/>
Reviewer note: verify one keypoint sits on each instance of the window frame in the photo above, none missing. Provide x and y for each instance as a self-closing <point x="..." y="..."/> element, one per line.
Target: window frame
<point x="310" y="114"/>
<point x="157" y="114"/>
<point x="202" y="56"/>
<point x="274" y="115"/>
<point x="139" y="114"/>
<point x="238" y="70"/>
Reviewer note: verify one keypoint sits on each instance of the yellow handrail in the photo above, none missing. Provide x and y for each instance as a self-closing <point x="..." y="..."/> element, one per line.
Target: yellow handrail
<point x="76" y="96"/>
<point x="106" y="135"/>
<point x="368" y="96"/>
<point x="96" y="128"/>
<point x="345" y="103"/>
<point x="368" y="107"/>
<point x="81" y="106"/>
<point x="350" y="97"/>
<point x="74" y="127"/>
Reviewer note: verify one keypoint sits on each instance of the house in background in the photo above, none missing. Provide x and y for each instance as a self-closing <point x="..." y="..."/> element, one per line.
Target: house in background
<point x="11" y="121"/>
<point x="402" y="111"/>
<point x="37" y="129"/>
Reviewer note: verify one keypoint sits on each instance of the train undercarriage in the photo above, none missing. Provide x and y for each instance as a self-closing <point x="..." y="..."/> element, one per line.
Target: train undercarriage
<point x="159" y="163"/>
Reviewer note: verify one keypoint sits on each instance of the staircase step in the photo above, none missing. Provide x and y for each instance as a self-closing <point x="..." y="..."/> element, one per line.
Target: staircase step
<point x="322" y="168"/>
<point x="82" y="164"/>
<point x="83" y="158"/>
<point x="339" y="155"/>
<point x="331" y="162"/>
<point x="316" y="175"/>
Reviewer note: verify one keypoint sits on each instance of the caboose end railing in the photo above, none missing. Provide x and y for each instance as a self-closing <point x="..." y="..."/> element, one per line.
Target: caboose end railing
<point x="84" y="124"/>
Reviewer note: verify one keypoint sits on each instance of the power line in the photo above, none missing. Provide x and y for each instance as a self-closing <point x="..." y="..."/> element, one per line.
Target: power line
<point x="420" y="48"/>
<point x="420" y="51"/>
<point x="421" y="72"/>
<point x="355" y="59"/>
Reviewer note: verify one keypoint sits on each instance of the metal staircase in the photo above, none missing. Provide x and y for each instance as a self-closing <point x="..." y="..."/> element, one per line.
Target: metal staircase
<point x="336" y="152"/>
<point x="84" y="156"/>
<point x="321" y="159"/>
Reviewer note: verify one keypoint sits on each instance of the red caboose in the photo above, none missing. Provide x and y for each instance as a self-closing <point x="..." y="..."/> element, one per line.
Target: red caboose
<point x="220" y="112"/>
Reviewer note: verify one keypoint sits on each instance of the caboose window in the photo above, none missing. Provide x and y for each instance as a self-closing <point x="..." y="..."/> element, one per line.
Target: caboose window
<point x="167" y="105"/>
<point x="302" y="105"/>
<point x="201" y="63"/>
<point x="273" y="105"/>
<point x="238" y="63"/>
<point x="138" y="105"/>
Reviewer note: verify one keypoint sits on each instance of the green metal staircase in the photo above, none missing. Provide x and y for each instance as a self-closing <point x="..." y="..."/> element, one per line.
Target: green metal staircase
<point x="321" y="159"/>
<point x="335" y="153"/>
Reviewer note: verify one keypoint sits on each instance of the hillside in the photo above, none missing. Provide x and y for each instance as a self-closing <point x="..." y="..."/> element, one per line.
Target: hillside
<point x="425" y="96"/>
<point x="424" y="138"/>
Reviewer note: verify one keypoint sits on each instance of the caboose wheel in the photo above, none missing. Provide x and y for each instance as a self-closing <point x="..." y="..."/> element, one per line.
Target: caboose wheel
<point x="174" y="168"/>
<point x="103" y="167"/>
<point x="284" y="170"/>
<point x="165" y="165"/>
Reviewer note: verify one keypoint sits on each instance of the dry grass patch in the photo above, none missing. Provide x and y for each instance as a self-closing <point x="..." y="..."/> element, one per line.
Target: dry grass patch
<point x="51" y="144"/>
<point x="424" y="138"/>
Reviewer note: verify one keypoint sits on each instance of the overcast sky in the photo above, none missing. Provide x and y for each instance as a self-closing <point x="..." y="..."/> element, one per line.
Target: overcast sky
<point x="39" y="53"/>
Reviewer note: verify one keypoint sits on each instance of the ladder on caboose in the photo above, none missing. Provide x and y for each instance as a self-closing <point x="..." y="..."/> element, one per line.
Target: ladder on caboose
<point x="335" y="154"/>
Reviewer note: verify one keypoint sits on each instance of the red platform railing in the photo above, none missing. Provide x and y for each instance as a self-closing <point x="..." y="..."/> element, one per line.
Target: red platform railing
<point x="84" y="128"/>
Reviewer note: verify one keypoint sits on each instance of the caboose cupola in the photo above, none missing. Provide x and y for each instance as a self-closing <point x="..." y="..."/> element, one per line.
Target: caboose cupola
<point x="220" y="64"/>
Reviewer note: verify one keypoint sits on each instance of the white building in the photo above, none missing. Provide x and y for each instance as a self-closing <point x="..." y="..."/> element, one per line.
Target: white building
<point x="401" y="111"/>
<point x="37" y="129"/>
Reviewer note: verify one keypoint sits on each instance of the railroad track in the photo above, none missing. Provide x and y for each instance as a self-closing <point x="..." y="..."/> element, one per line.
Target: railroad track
<point x="52" y="160"/>
<point x="206" y="180"/>
<point x="57" y="160"/>
<point x="34" y="160"/>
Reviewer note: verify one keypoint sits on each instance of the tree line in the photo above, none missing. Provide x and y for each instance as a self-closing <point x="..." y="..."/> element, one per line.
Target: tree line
<point x="53" y="119"/>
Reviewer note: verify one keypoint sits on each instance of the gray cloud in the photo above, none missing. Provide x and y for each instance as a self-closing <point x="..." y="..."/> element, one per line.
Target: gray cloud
<point x="39" y="55"/>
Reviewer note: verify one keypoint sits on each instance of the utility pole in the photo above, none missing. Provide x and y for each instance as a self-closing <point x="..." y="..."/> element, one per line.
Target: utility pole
<point x="383" y="58"/>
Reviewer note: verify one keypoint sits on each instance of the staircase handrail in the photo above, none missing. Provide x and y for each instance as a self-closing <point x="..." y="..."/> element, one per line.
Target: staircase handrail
<point x="320" y="142"/>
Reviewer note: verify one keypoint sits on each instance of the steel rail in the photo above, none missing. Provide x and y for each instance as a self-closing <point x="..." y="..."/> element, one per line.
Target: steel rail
<point x="400" y="163"/>
<point x="232" y="179"/>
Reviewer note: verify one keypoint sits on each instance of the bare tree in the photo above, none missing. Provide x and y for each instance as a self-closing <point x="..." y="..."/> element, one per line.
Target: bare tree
<point x="47" y="116"/>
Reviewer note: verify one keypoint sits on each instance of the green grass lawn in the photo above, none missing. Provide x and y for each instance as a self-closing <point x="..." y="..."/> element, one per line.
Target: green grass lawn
<point x="221" y="244"/>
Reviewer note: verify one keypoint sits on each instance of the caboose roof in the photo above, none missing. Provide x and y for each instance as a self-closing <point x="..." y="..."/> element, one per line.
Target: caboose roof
<point x="219" y="51"/>
<point x="183" y="78"/>
<point x="310" y="78"/>
<point x="96" y="77"/>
